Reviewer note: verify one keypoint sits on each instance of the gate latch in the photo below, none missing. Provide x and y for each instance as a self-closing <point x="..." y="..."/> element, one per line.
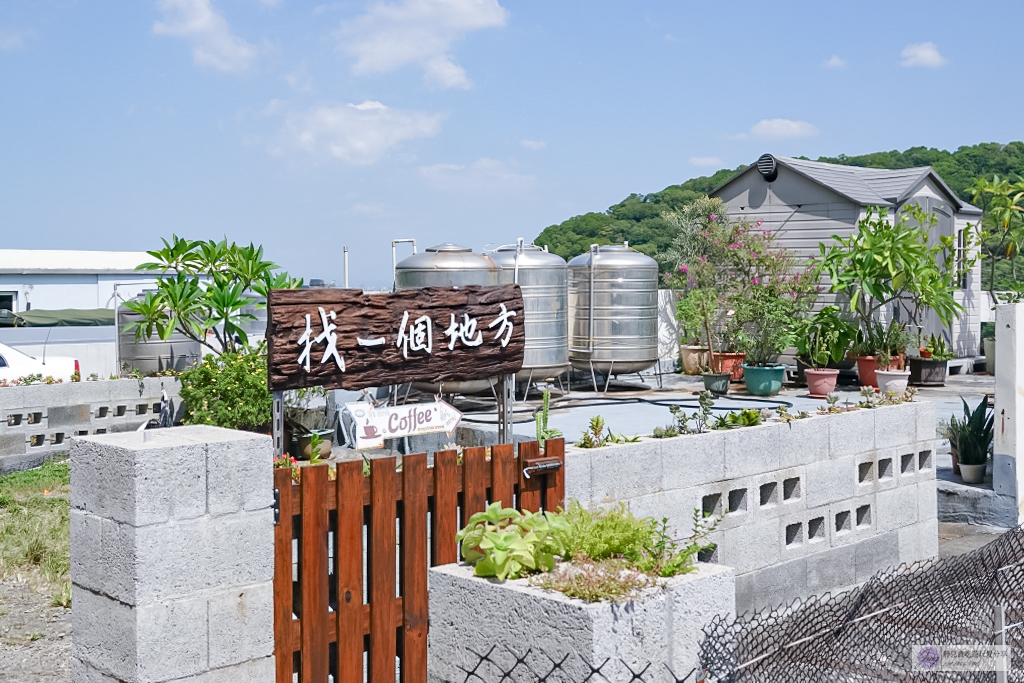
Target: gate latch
<point x="277" y="506"/>
<point x="543" y="465"/>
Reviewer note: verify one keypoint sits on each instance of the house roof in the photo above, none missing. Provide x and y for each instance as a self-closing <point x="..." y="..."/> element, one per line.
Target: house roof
<point x="64" y="262"/>
<point x="866" y="186"/>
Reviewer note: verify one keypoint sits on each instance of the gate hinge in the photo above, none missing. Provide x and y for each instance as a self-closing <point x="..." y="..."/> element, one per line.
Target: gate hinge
<point x="541" y="465"/>
<point x="277" y="506"/>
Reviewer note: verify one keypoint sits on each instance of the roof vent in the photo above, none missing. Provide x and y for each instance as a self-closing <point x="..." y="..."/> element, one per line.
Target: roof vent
<point x="768" y="167"/>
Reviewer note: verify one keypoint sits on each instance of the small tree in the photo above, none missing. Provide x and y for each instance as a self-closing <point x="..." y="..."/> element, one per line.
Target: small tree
<point x="202" y="290"/>
<point x="1002" y="232"/>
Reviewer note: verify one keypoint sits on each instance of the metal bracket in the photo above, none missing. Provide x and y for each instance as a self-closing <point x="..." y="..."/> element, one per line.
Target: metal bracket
<point x="277" y="506"/>
<point x="541" y="466"/>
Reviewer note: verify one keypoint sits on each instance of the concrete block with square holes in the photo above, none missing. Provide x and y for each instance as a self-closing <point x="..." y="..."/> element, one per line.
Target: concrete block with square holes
<point x="172" y="565"/>
<point x="804" y="494"/>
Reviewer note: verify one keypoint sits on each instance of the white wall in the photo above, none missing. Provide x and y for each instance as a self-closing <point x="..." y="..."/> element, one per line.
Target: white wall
<point x="92" y="346"/>
<point x="55" y="291"/>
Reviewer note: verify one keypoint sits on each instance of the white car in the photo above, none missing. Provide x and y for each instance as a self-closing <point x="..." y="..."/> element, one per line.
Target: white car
<point x="14" y="364"/>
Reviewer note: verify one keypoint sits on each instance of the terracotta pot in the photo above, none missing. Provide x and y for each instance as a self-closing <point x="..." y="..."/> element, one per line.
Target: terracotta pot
<point x="972" y="474"/>
<point x="821" y="381"/>
<point x="892" y="380"/>
<point x="693" y="358"/>
<point x="866" y="367"/>
<point x="731" y="363"/>
<point x="956" y="459"/>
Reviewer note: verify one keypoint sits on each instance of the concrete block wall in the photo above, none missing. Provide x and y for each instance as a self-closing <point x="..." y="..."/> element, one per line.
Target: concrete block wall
<point x="814" y="505"/>
<point x="39" y="420"/>
<point x="172" y="556"/>
<point x="662" y="630"/>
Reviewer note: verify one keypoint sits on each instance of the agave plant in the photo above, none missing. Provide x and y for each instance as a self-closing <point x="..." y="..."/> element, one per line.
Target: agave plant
<point x="972" y="435"/>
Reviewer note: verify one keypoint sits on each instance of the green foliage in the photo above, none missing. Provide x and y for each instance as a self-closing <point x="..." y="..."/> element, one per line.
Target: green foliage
<point x="506" y="543"/>
<point x="1002" y="229"/>
<point x="747" y="417"/>
<point x="883" y="341"/>
<point x="638" y="219"/>
<point x="594" y="437"/>
<point x="315" y="443"/>
<point x="701" y="417"/>
<point x="666" y="432"/>
<point x="541" y="421"/>
<point x="972" y="434"/>
<point x="202" y="291"/>
<point x="936" y="348"/>
<point x="229" y="390"/>
<point x="893" y="262"/>
<point x="614" y="580"/>
<point x="785" y="416"/>
<point x="824" y="337"/>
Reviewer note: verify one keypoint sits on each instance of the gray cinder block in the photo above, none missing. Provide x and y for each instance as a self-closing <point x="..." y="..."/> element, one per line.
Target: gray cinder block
<point x="894" y="425"/>
<point x="851" y="433"/>
<point x="664" y="626"/>
<point x="877" y="553"/>
<point x="802" y="442"/>
<point x="241" y="625"/>
<point x="693" y="459"/>
<point x="830" y="481"/>
<point x="621" y="471"/>
<point x="751" y="451"/>
<point x="831" y="569"/>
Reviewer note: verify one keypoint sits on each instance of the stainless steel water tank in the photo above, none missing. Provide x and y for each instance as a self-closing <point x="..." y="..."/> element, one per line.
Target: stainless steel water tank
<point x="153" y="355"/>
<point x="542" y="277"/>
<point x="445" y="265"/>
<point x="448" y="265"/>
<point x="613" y="309"/>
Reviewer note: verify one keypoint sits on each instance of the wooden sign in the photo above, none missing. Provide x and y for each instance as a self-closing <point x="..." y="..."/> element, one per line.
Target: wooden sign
<point x="373" y="425"/>
<point x="345" y="339"/>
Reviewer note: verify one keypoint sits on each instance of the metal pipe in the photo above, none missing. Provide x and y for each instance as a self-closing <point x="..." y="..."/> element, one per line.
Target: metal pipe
<point x="594" y="250"/>
<point x="519" y="252"/>
<point x="394" y="258"/>
<point x="345" y="251"/>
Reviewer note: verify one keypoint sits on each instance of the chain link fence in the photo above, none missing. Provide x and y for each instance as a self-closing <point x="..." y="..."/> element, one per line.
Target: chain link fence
<point x="874" y="632"/>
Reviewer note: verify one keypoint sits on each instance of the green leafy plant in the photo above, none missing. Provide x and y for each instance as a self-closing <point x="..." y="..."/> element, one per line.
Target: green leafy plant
<point x="666" y="432"/>
<point x="541" y="421"/>
<point x="785" y="416"/>
<point x="702" y="417"/>
<point x="824" y="337"/>
<point x="203" y="291"/>
<point x="594" y="437"/>
<point x="747" y="417"/>
<point x="883" y="341"/>
<point x="505" y="543"/>
<point x="936" y="349"/>
<point x="972" y="434"/>
<point x="315" y="443"/>
<point x="229" y="390"/>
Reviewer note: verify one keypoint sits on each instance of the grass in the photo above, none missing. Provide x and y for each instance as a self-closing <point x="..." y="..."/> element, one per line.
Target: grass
<point x="34" y="529"/>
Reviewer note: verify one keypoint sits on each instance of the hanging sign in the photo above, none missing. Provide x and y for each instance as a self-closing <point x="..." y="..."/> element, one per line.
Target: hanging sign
<point x="345" y="339"/>
<point x="373" y="425"/>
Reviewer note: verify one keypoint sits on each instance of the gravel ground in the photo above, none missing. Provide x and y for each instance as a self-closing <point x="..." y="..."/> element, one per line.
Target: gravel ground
<point x="35" y="638"/>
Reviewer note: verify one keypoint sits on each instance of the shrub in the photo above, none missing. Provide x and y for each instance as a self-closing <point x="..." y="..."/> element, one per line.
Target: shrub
<point x="229" y="390"/>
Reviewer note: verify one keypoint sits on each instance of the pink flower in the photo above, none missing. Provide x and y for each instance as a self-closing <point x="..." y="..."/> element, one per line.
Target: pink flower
<point x="684" y="269"/>
<point x="754" y="281"/>
<point x="759" y="223"/>
<point x="713" y="217"/>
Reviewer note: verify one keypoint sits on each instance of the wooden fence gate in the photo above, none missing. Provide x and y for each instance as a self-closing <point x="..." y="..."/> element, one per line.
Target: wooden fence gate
<point x="352" y="553"/>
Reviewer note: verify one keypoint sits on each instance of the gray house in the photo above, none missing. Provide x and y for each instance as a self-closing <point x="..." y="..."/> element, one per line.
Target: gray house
<point x="807" y="202"/>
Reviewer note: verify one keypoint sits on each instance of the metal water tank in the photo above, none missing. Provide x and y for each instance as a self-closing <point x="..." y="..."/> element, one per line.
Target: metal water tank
<point x="542" y="277"/>
<point x="445" y="265"/>
<point x="153" y="355"/>
<point x="613" y="308"/>
<point x="448" y="265"/>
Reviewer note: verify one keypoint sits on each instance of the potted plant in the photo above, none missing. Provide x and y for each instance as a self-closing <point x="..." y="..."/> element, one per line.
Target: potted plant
<point x="704" y="307"/>
<point x="944" y="430"/>
<point x="882" y="348"/>
<point x="693" y="355"/>
<point x="823" y="339"/>
<point x="768" y="334"/>
<point x="929" y="369"/>
<point x="972" y="436"/>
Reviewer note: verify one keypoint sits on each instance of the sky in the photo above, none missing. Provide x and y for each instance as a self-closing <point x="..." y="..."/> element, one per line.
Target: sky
<point x="308" y="127"/>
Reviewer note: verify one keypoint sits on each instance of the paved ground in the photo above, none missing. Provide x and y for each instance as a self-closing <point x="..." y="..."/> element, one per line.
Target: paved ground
<point x="35" y="638"/>
<point x="957" y="539"/>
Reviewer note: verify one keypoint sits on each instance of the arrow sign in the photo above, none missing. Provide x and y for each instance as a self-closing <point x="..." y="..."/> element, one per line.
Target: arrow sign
<point x="373" y="425"/>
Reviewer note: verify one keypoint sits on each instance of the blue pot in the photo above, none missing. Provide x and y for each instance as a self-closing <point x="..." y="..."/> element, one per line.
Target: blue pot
<point x="764" y="381"/>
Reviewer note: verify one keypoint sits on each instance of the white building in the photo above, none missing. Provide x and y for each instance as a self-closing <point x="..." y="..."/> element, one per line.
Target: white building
<point x="54" y="279"/>
<point x="807" y="202"/>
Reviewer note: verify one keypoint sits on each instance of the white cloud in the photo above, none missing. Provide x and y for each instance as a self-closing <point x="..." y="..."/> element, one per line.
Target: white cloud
<point x="213" y="44"/>
<point x="834" y="62"/>
<point x="357" y="133"/>
<point x="299" y="81"/>
<point x="482" y="175"/>
<point x="922" y="54"/>
<point x="772" y="129"/>
<point x="391" y="35"/>
<point x="11" y="40"/>
<point x="706" y="161"/>
<point x="533" y="144"/>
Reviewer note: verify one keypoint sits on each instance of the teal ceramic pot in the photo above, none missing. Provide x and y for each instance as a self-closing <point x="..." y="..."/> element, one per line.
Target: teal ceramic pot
<point x="764" y="381"/>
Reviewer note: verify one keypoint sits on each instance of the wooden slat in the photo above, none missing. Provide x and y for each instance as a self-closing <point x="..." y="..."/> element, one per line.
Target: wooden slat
<point x="503" y="474"/>
<point x="554" y="492"/>
<point x="414" y="568"/>
<point x="444" y="519"/>
<point x="284" y="644"/>
<point x="314" y="576"/>
<point x="332" y="632"/>
<point x="529" y="489"/>
<point x="475" y="479"/>
<point x="381" y="570"/>
<point x="348" y="558"/>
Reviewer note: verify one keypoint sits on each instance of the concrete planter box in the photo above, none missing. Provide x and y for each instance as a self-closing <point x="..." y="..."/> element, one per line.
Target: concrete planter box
<point x="662" y="629"/>
<point x="815" y="505"/>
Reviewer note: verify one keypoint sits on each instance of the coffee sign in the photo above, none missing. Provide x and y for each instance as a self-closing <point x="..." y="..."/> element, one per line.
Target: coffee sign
<point x="345" y="339"/>
<point x="373" y="425"/>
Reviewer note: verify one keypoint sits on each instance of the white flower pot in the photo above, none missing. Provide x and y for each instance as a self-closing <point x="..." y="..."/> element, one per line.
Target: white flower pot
<point x="972" y="474"/>
<point x="892" y="380"/>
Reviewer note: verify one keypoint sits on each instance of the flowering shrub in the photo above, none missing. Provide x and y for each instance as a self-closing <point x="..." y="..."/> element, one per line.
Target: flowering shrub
<point x="229" y="390"/>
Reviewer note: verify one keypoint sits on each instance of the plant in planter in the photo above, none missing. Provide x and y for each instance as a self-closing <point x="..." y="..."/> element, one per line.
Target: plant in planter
<point x="769" y="311"/>
<point x="541" y="420"/>
<point x="701" y="417"/>
<point x="822" y="339"/>
<point x="882" y="348"/>
<point x="971" y="436"/>
<point x="929" y="369"/>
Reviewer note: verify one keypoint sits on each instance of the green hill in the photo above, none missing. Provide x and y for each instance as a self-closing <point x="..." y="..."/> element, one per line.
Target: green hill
<point x="637" y="218"/>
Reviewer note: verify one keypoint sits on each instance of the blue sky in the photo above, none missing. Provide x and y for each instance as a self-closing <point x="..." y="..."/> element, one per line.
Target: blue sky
<point x="306" y="126"/>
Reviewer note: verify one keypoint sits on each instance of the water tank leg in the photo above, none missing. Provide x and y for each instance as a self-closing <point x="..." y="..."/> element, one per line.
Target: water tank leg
<point x="506" y="397"/>
<point x="593" y="377"/>
<point x="608" y="379"/>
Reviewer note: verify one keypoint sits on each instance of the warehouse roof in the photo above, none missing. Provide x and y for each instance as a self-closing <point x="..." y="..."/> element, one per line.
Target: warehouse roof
<point x="63" y="262"/>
